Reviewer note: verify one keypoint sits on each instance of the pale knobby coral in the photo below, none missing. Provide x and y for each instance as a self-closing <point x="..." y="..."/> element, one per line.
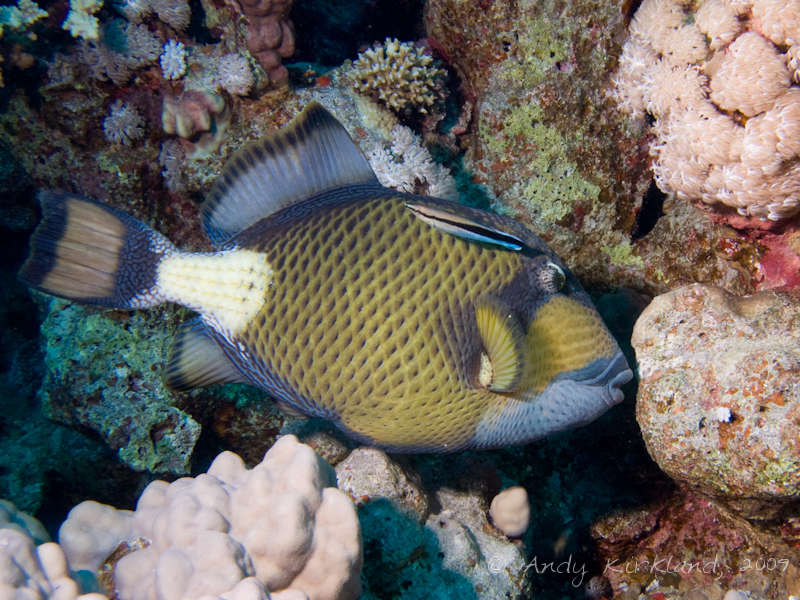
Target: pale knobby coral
<point x="270" y="34"/>
<point x="123" y="125"/>
<point x="407" y="166"/>
<point x="510" y="511"/>
<point x="80" y="20"/>
<point x="31" y="566"/>
<point x="401" y="76"/>
<point x="173" y="60"/>
<point x="232" y="532"/>
<point x="719" y="83"/>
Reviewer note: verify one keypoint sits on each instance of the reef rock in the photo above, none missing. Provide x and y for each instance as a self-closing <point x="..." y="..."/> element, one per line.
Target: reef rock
<point x="719" y="398"/>
<point x="552" y="148"/>
<point x="686" y="547"/>
<point x="439" y="543"/>
<point x="103" y="373"/>
<point x="369" y="473"/>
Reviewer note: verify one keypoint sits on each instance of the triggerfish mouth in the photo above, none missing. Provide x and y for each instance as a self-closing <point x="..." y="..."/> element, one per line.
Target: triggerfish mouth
<point x="412" y="323"/>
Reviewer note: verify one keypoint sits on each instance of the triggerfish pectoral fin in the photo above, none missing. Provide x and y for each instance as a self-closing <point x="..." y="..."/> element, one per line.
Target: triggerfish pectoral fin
<point x="197" y="360"/>
<point x="503" y="343"/>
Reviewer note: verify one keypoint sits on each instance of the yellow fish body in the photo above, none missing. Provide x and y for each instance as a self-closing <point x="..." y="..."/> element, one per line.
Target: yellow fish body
<point x="412" y="323"/>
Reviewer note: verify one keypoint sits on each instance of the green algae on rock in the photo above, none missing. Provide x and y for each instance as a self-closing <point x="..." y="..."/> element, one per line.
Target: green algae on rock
<point x="103" y="373"/>
<point x="554" y="150"/>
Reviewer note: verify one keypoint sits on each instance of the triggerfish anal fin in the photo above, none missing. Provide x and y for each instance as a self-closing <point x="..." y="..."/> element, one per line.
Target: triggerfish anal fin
<point x="503" y="343"/>
<point x="463" y="226"/>
<point x="196" y="360"/>
<point x="311" y="154"/>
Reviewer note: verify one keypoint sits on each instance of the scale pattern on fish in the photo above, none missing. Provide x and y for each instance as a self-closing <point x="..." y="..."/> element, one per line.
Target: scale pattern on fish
<point x="412" y="323"/>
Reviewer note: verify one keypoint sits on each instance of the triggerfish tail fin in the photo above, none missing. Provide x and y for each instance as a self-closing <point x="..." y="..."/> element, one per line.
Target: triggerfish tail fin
<point x="83" y="250"/>
<point x="197" y="360"/>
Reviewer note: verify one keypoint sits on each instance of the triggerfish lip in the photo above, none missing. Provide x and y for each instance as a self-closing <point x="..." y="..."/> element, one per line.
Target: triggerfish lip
<point x="572" y="399"/>
<point x="615" y="375"/>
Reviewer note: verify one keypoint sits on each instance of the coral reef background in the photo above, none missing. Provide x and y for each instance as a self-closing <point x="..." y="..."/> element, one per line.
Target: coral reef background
<point x="561" y="113"/>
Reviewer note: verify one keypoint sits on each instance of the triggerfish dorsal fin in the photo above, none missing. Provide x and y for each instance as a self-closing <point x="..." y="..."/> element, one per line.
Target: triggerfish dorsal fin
<point x="196" y="360"/>
<point x="311" y="154"/>
<point x="464" y="226"/>
<point x="503" y="344"/>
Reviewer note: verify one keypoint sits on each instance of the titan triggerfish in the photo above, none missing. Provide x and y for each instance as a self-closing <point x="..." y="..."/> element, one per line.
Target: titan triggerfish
<point x="412" y="323"/>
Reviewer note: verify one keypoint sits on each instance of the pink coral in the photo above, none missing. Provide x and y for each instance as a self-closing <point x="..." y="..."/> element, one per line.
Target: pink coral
<point x="751" y="75"/>
<point x="190" y="113"/>
<point x="270" y="34"/>
<point x="727" y="111"/>
<point x="199" y="116"/>
<point x="778" y="20"/>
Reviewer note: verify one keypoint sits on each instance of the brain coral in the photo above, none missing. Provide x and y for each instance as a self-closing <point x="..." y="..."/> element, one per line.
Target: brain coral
<point x="720" y="79"/>
<point x="398" y="75"/>
<point x="231" y="532"/>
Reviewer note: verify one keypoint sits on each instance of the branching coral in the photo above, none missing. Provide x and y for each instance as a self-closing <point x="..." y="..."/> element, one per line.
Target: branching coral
<point x="80" y="21"/>
<point x="407" y="166"/>
<point x="721" y="84"/>
<point x="25" y="13"/>
<point x="401" y="76"/>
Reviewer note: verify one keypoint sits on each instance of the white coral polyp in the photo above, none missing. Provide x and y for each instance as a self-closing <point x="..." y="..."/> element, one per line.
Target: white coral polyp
<point x="173" y="60"/>
<point x="779" y="20"/>
<point x="719" y="21"/>
<point x="750" y="77"/>
<point x="232" y="533"/>
<point x="234" y="74"/>
<point x="727" y="128"/>
<point x="123" y="125"/>
<point x="407" y="166"/>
